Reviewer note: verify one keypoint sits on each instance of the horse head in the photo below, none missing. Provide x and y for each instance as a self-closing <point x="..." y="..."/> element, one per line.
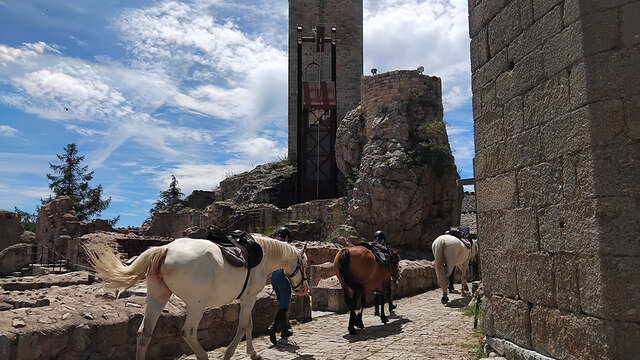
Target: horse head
<point x="295" y="272"/>
<point x="395" y="265"/>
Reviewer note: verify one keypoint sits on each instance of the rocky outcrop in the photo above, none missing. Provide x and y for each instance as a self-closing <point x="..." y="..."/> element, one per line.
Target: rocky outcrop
<point x="15" y="257"/>
<point x="200" y="199"/>
<point x="10" y="229"/>
<point x="349" y="143"/>
<point x="272" y="183"/>
<point x="58" y="230"/>
<point x="405" y="182"/>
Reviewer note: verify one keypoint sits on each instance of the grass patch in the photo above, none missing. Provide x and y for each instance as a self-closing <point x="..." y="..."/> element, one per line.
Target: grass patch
<point x="336" y="234"/>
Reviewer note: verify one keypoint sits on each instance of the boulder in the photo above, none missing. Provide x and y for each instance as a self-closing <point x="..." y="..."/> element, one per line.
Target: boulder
<point x="200" y="199"/>
<point x="10" y="229"/>
<point x="15" y="257"/>
<point x="28" y="237"/>
<point x="405" y="183"/>
<point x="321" y="272"/>
<point x="271" y="183"/>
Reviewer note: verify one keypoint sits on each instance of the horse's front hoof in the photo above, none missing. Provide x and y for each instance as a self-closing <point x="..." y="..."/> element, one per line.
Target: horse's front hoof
<point x="352" y="330"/>
<point x="384" y="319"/>
<point x="444" y="300"/>
<point x="360" y="324"/>
<point x="392" y="307"/>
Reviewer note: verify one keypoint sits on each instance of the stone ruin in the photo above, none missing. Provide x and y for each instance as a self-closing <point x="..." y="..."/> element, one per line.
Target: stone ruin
<point x="556" y="88"/>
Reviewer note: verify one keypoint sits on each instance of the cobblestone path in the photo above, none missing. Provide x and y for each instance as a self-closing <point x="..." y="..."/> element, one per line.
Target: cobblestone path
<point x="422" y="328"/>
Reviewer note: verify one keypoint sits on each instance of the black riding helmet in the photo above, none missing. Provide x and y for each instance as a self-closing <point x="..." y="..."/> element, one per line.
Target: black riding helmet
<point x="283" y="232"/>
<point x="379" y="235"/>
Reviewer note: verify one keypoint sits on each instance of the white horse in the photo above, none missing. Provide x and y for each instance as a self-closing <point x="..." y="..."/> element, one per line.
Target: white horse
<point x="196" y="272"/>
<point x="449" y="251"/>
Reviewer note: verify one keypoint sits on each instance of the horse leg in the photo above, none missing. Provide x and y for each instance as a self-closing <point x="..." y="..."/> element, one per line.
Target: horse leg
<point x="383" y="317"/>
<point x="451" y="279"/>
<point x="376" y="300"/>
<point x="352" y="322"/>
<point x="190" y="330"/>
<point x="246" y="305"/>
<point x="463" y="278"/>
<point x="390" y="297"/>
<point x="157" y="296"/>
<point x="363" y="301"/>
<point x="248" y="332"/>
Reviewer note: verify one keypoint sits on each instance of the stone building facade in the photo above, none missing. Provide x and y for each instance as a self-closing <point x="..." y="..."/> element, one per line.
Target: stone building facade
<point x="556" y="94"/>
<point x="346" y="15"/>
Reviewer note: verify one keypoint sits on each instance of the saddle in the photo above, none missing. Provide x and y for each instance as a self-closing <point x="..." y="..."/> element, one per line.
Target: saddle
<point x="239" y="248"/>
<point x="465" y="238"/>
<point x="380" y="252"/>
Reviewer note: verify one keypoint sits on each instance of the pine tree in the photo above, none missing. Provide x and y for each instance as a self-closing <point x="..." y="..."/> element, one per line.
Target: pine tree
<point x="72" y="179"/>
<point x="172" y="196"/>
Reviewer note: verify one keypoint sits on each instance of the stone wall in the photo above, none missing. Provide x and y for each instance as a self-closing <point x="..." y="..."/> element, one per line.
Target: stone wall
<point x="556" y="88"/>
<point x="86" y="322"/>
<point x="172" y="222"/>
<point x="346" y="15"/>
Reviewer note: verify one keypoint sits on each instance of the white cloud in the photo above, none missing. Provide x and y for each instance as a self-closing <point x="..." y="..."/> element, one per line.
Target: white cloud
<point x="260" y="149"/>
<point x="34" y="164"/>
<point x="6" y="130"/>
<point x="405" y="34"/>
<point x="197" y="176"/>
<point x="34" y="192"/>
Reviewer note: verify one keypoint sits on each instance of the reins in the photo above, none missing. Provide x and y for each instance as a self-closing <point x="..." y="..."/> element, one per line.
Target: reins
<point x="302" y="278"/>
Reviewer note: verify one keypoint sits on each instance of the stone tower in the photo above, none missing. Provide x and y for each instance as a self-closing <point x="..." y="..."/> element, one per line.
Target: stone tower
<point x="346" y="16"/>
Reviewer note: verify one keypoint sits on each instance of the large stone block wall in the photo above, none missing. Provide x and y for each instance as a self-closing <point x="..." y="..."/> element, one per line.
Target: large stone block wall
<point x="346" y="15"/>
<point x="556" y="88"/>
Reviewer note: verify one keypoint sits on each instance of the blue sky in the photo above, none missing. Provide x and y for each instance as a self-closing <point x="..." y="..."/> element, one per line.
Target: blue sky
<point x="195" y="88"/>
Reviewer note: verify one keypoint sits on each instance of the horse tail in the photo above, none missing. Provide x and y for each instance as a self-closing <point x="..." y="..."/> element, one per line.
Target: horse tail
<point x="438" y="263"/>
<point x="347" y="281"/>
<point x="121" y="277"/>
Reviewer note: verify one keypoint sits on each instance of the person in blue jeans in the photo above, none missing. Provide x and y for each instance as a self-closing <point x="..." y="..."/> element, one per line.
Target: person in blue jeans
<point x="281" y="286"/>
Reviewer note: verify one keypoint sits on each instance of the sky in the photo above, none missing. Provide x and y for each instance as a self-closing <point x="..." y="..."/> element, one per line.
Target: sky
<point x="195" y="88"/>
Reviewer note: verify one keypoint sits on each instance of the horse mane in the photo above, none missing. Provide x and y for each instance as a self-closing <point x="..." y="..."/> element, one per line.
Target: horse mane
<point x="277" y="250"/>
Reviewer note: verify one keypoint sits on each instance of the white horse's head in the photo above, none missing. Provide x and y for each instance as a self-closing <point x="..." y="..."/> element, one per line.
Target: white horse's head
<point x="295" y="272"/>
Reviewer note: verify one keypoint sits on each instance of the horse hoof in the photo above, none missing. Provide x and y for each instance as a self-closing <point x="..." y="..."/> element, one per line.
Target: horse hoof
<point x="360" y="324"/>
<point x="384" y="320"/>
<point x="444" y="300"/>
<point x="392" y="307"/>
<point x="352" y="331"/>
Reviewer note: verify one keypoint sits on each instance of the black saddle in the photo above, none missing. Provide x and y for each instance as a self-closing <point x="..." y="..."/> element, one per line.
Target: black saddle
<point x="380" y="252"/>
<point x="239" y="248"/>
<point x="467" y="239"/>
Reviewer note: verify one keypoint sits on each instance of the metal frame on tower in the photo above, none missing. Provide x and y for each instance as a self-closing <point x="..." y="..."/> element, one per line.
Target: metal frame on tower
<point x="316" y="101"/>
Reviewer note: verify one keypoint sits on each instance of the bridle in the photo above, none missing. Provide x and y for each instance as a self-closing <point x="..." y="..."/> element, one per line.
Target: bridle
<point x="300" y="268"/>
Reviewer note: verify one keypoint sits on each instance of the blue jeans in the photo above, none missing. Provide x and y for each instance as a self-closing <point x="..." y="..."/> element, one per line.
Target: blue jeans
<point x="282" y="288"/>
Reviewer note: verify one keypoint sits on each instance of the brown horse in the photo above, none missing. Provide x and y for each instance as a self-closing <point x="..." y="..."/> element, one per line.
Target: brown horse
<point x="360" y="274"/>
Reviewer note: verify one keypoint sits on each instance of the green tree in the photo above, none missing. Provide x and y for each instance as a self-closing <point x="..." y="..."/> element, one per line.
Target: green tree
<point x="173" y="195"/>
<point x="70" y="178"/>
<point x="27" y="220"/>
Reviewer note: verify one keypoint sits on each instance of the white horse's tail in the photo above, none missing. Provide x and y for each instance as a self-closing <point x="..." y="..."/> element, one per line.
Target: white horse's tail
<point x="117" y="275"/>
<point x="438" y="253"/>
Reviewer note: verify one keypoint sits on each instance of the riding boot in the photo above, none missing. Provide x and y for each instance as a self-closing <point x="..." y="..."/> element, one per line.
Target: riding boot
<point x="284" y="324"/>
<point x="275" y="328"/>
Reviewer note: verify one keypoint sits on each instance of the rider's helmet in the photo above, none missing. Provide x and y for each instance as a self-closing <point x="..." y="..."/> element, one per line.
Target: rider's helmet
<point x="379" y="236"/>
<point x="283" y="233"/>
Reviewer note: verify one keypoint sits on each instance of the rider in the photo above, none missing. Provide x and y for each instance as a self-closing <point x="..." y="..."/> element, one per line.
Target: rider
<point x="282" y="288"/>
<point x="380" y="242"/>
